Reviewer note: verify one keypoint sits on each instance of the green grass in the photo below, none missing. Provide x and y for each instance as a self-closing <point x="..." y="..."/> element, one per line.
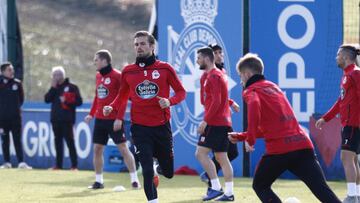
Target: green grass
<point x="68" y="186"/>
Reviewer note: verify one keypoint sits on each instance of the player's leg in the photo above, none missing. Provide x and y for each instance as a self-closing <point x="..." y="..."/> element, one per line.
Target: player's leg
<point x="70" y="142"/>
<point x="304" y="165"/>
<point x="120" y="140"/>
<point x="163" y="150"/>
<point x="142" y="137"/>
<point x="59" y="144"/>
<point x="5" y="141"/>
<point x="350" y="143"/>
<point x="100" y="138"/>
<point x="16" y="133"/>
<point x="268" y="170"/>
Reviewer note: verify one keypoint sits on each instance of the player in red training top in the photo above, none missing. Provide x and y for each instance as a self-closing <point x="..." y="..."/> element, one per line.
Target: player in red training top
<point x="107" y="87"/>
<point x="288" y="147"/>
<point x="147" y="84"/>
<point x="348" y="105"/>
<point x="232" y="149"/>
<point x="214" y="128"/>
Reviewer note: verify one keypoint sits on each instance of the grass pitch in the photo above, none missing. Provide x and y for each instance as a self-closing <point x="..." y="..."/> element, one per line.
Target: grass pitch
<point x="71" y="186"/>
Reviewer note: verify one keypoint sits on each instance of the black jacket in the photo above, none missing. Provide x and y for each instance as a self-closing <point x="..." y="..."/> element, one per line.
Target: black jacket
<point x="11" y="98"/>
<point x="63" y="111"/>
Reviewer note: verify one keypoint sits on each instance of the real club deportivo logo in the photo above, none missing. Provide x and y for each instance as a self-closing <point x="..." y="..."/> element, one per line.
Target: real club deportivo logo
<point x="147" y="89"/>
<point x="199" y="16"/>
<point x="102" y="92"/>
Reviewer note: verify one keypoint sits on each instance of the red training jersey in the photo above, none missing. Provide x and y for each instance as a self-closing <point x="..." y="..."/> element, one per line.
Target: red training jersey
<point x="348" y="103"/>
<point x="202" y="89"/>
<point x="142" y="86"/>
<point x="271" y="116"/>
<point x="215" y="99"/>
<point x="107" y="88"/>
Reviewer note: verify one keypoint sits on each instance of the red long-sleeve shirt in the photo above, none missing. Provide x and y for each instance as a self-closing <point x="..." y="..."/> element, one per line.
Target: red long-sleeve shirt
<point x="107" y="88"/>
<point x="202" y="89"/>
<point x="271" y="116"/>
<point x="215" y="99"/>
<point x="142" y="86"/>
<point x="348" y="103"/>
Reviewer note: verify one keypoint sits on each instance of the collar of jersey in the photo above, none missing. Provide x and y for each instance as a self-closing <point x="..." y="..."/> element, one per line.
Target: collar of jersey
<point x="144" y="62"/>
<point x="254" y="79"/>
<point x="349" y="68"/>
<point x="107" y="69"/>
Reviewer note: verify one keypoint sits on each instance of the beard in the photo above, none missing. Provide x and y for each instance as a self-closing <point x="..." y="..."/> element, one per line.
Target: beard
<point x="202" y="67"/>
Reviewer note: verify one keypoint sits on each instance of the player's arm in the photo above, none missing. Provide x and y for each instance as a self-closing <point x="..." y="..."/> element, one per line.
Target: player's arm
<point x="253" y="115"/>
<point x="335" y="109"/>
<point x="92" y="109"/>
<point x="120" y="102"/>
<point x="21" y="93"/>
<point x="50" y="95"/>
<point x="178" y="88"/>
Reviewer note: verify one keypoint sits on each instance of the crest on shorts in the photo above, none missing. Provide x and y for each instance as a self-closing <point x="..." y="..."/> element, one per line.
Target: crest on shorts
<point x="199" y="31"/>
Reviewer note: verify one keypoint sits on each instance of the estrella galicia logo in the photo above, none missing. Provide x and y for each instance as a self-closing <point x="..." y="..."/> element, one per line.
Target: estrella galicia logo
<point x="102" y="91"/>
<point x="199" y="16"/>
<point x="147" y="89"/>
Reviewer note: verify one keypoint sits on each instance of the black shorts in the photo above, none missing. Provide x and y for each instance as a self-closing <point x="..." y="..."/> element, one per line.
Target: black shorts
<point x="350" y="139"/>
<point x="215" y="138"/>
<point x="103" y="129"/>
<point x="158" y="140"/>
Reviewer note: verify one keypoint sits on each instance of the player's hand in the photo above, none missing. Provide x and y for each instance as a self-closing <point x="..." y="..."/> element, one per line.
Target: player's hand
<point x="233" y="137"/>
<point x="88" y="118"/>
<point x="117" y="124"/>
<point x="201" y="128"/>
<point x="319" y="123"/>
<point x="235" y="107"/>
<point x="163" y="102"/>
<point x="107" y="110"/>
<point x="249" y="148"/>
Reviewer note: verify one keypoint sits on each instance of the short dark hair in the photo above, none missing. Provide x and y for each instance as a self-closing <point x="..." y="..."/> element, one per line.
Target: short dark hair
<point x="350" y="50"/>
<point x="207" y="52"/>
<point x="143" y="33"/>
<point x="215" y="47"/>
<point x="252" y="62"/>
<point x="4" y="66"/>
<point x="104" y="54"/>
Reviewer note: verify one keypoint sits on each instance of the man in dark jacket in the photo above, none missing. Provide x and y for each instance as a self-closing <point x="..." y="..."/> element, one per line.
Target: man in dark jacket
<point x="12" y="97"/>
<point x="64" y="98"/>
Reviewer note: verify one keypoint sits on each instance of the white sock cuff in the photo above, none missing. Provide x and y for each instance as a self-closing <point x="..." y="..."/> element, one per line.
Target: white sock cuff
<point x="154" y="201"/>
<point x="352" y="190"/>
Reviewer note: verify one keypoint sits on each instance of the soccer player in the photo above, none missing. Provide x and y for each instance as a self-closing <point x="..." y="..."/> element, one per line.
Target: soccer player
<point x="232" y="149"/>
<point x="107" y="87"/>
<point x="348" y="105"/>
<point x="147" y="84"/>
<point x="12" y="97"/>
<point x="287" y="146"/>
<point x="64" y="98"/>
<point x="214" y="128"/>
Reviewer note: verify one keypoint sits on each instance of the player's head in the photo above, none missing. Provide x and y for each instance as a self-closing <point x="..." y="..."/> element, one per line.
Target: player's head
<point x="102" y="59"/>
<point x="346" y="55"/>
<point x="218" y="53"/>
<point x="249" y="65"/>
<point x="205" y="58"/>
<point x="144" y="44"/>
<point x="7" y="70"/>
<point x="58" y="73"/>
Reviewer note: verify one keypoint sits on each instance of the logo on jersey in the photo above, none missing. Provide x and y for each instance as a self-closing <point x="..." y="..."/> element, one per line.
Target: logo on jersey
<point x="155" y="74"/>
<point x="199" y="17"/>
<point x="15" y="87"/>
<point x="102" y="92"/>
<point x="107" y="81"/>
<point x="66" y="89"/>
<point x="342" y="93"/>
<point x="147" y="89"/>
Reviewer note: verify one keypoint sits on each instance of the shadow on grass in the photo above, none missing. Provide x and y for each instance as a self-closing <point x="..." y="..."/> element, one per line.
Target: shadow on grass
<point x="84" y="193"/>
